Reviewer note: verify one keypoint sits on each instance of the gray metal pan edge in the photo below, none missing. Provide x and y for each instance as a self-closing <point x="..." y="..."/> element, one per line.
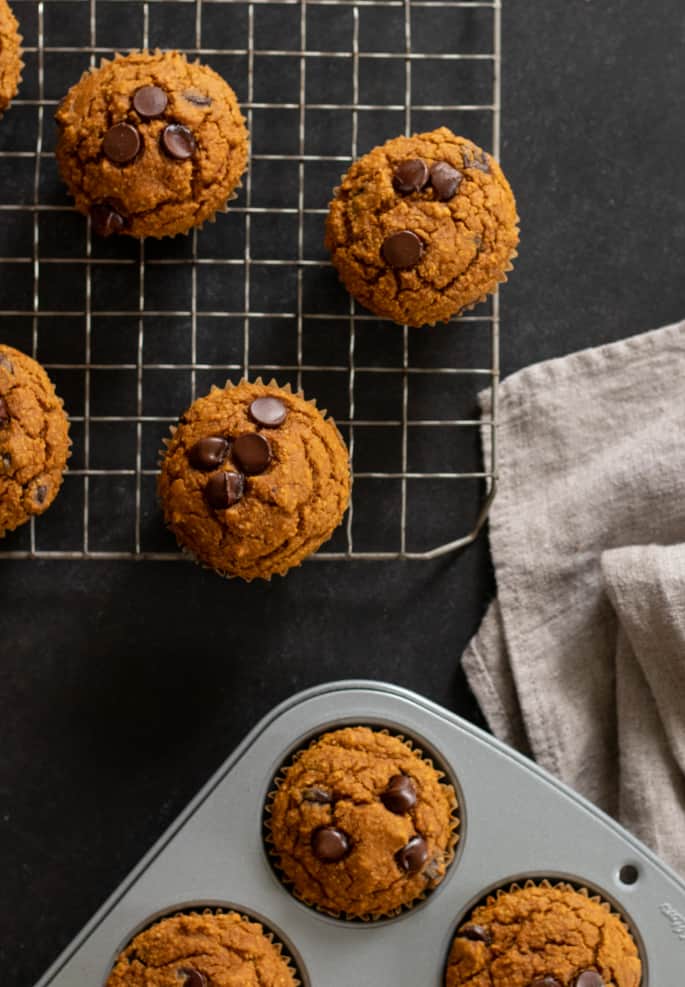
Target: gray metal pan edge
<point x="518" y="822"/>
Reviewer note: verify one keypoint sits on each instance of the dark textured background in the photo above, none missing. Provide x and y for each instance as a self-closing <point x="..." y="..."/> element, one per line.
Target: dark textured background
<point x="123" y="686"/>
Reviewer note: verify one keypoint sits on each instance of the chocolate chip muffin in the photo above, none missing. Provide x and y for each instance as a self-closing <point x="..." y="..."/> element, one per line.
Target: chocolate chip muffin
<point x="151" y="144"/>
<point x="208" y="950"/>
<point x="543" y="936"/>
<point x="34" y="439"/>
<point x="10" y="56"/>
<point x="361" y="824"/>
<point x="422" y="227"/>
<point x="254" y="479"/>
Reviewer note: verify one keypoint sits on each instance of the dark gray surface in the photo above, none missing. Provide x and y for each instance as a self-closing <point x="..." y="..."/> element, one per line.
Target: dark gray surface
<point x="123" y="686"/>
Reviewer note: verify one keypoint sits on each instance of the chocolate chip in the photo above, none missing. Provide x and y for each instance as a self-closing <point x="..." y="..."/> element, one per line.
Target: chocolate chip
<point x="224" y="489"/>
<point x="121" y="143"/>
<point x="41" y="494"/>
<point x="413" y="856"/>
<point x="269" y="412"/>
<point x="402" y="249"/>
<point x="209" y="453"/>
<point x="6" y="461"/>
<point x="546" y="982"/>
<point x="253" y="452"/>
<point x="178" y="141"/>
<point x="476" y="933"/>
<point x="105" y="220"/>
<point x="4" y="412"/>
<point x="476" y="159"/>
<point x="193" y="977"/>
<point x="445" y="180"/>
<point x="150" y="102"/>
<point x="329" y="844"/>
<point x="197" y="98"/>
<point x="410" y="175"/>
<point x="589" y="978"/>
<point x="400" y="795"/>
<point x="6" y="363"/>
<point x="318" y="795"/>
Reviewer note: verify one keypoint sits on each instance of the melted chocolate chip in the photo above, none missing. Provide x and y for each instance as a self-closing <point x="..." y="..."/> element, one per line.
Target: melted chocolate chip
<point x="477" y="159"/>
<point x="209" y="453"/>
<point x="445" y="180"/>
<point x="252" y="452"/>
<point x="402" y="249"/>
<point x="269" y="412"/>
<point x="6" y="363"/>
<point x="178" y="142"/>
<point x="197" y="98"/>
<point x="105" y="219"/>
<point x="121" y="143"/>
<point x="546" y="982"/>
<point x="6" y="461"/>
<point x="329" y="845"/>
<point x="41" y="494"/>
<point x="318" y="795"/>
<point x="150" y="102"/>
<point x="475" y="933"/>
<point x="400" y="795"/>
<point x="410" y="176"/>
<point x="193" y="977"/>
<point x="224" y="489"/>
<point x="413" y="856"/>
<point x="589" y="978"/>
<point x="4" y="412"/>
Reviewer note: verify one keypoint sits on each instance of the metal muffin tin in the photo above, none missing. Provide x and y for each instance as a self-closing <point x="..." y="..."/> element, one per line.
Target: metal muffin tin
<point x="517" y="822"/>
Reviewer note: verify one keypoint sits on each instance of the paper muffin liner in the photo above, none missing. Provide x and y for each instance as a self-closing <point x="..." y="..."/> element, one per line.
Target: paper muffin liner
<point x="161" y="453"/>
<point x="268" y="934"/>
<point x="274" y="857"/>
<point x="561" y="884"/>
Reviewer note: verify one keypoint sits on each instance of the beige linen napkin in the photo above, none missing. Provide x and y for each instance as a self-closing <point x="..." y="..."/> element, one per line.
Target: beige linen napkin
<point x="580" y="660"/>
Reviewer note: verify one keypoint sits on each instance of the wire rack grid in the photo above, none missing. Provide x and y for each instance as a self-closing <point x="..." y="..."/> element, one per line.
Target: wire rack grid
<point x="132" y="332"/>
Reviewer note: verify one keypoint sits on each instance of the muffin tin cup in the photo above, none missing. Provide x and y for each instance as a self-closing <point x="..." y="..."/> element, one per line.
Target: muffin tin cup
<point x="520" y="823"/>
<point x="450" y="851"/>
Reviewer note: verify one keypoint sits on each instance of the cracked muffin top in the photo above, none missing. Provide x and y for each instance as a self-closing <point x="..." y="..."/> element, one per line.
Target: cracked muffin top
<point x="542" y="936"/>
<point x="254" y="479"/>
<point x="34" y="439"/>
<point x="422" y="227"/>
<point x="150" y="144"/>
<point x="361" y="824"/>
<point x="208" y="950"/>
<point x="10" y="56"/>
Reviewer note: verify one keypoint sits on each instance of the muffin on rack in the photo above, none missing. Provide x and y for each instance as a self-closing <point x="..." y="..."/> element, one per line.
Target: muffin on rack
<point x="361" y="824"/>
<point x="254" y="479"/>
<point x="423" y="227"/>
<point x="210" y="949"/>
<point x="151" y="144"/>
<point x="34" y="440"/>
<point x="541" y="935"/>
<point x="10" y="56"/>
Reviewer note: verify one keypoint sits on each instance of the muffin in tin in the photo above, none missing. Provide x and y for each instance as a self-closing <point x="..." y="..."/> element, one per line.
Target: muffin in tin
<point x="543" y="935"/>
<point x="361" y="824"/>
<point x="208" y="949"/>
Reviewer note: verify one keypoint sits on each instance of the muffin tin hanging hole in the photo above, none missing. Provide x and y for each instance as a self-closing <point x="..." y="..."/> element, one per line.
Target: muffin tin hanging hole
<point x="628" y="875"/>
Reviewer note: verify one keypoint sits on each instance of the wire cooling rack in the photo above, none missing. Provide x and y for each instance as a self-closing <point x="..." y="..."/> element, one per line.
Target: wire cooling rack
<point x="132" y="332"/>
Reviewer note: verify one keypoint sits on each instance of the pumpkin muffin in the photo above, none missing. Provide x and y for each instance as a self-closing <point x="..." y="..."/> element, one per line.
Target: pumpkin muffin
<point x="423" y="227"/>
<point x="34" y="440"/>
<point x="10" y="56"/>
<point x="208" y="950"/>
<point x="543" y="936"/>
<point x="361" y="824"/>
<point x="151" y="144"/>
<point x="254" y="479"/>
